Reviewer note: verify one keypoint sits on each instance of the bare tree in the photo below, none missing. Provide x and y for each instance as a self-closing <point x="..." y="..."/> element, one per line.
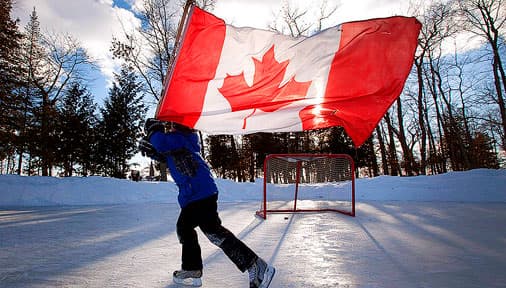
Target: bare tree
<point x="297" y="21"/>
<point x="149" y="48"/>
<point x="487" y="19"/>
<point x="437" y="25"/>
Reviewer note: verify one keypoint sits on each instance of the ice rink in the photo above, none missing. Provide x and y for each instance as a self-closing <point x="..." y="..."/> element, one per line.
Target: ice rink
<point x="388" y="244"/>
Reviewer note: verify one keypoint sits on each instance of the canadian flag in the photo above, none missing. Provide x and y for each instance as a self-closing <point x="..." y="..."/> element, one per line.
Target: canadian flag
<point x="230" y="80"/>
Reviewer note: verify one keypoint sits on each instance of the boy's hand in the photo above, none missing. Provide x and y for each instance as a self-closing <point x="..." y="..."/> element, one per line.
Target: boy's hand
<point x="148" y="150"/>
<point x="153" y="125"/>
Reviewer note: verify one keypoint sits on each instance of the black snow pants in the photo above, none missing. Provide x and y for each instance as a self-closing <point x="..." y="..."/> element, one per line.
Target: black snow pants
<point x="204" y="214"/>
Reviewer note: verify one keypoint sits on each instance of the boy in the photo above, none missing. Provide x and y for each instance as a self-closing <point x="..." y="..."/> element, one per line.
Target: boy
<point x="198" y="195"/>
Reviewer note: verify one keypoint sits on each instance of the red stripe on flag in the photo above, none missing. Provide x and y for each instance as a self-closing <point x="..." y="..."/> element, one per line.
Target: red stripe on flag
<point x="195" y="66"/>
<point x="366" y="76"/>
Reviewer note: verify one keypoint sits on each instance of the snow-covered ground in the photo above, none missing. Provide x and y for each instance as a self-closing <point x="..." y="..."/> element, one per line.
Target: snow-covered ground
<point x="427" y="231"/>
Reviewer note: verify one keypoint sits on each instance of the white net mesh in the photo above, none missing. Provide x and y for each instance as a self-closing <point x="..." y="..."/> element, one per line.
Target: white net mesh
<point x="303" y="182"/>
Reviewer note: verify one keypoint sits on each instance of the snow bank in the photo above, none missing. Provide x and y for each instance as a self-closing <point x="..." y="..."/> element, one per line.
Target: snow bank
<point x="480" y="185"/>
<point x="47" y="191"/>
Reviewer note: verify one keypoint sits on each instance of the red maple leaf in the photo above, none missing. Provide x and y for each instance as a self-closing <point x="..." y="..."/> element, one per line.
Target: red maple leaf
<point x="266" y="93"/>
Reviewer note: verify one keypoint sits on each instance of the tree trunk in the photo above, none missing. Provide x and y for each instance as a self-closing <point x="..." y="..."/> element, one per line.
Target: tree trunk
<point x="401" y="135"/>
<point x="421" y="117"/>
<point x="383" y="151"/>
<point x="392" y="151"/>
<point x="373" y="163"/>
<point x="500" y="99"/>
<point x="440" y="163"/>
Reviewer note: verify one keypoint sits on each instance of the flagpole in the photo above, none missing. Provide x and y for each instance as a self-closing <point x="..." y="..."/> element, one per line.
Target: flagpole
<point x="188" y="9"/>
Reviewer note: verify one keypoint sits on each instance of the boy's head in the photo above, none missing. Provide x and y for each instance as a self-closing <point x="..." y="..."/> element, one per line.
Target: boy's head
<point x="174" y="126"/>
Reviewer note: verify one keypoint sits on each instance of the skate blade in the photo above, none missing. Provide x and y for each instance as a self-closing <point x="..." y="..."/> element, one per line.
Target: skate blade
<point x="268" y="275"/>
<point x="191" y="282"/>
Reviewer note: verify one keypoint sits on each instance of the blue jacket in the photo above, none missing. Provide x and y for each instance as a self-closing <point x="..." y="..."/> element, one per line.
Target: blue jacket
<point x="190" y="172"/>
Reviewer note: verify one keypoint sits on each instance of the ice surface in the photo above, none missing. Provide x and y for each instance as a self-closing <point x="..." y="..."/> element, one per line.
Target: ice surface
<point x="399" y="238"/>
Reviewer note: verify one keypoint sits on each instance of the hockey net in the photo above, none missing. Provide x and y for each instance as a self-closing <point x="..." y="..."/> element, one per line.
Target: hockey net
<point x="308" y="183"/>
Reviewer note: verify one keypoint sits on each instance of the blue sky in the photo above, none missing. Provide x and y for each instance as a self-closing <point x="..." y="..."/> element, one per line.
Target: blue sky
<point x="122" y="4"/>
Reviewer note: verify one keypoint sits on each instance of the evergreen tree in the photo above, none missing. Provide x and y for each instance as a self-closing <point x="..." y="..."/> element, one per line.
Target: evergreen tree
<point x="10" y="42"/>
<point x="220" y="156"/>
<point x="247" y="158"/>
<point x="121" y="123"/>
<point x="10" y="81"/>
<point x="335" y="140"/>
<point x="456" y="144"/>
<point x="76" y="119"/>
<point x="38" y="121"/>
<point x="370" y="160"/>
<point x="483" y="155"/>
<point x="263" y="144"/>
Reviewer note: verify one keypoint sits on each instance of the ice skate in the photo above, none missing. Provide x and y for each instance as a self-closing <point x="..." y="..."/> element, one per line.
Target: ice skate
<point x="188" y="278"/>
<point x="260" y="274"/>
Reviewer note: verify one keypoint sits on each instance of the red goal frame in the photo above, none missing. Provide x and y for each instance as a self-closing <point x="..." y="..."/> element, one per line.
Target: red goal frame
<point x="299" y="158"/>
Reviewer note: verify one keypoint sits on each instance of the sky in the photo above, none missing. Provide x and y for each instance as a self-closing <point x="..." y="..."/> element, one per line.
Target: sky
<point x="95" y="22"/>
